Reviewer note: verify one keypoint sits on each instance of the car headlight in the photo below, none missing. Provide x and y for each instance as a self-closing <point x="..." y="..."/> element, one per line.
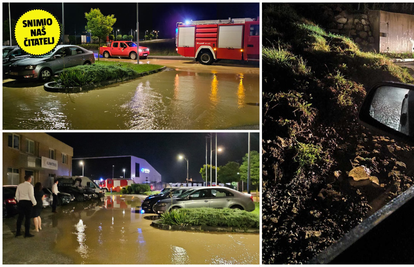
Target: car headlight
<point x="140" y="50"/>
<point x="30" y="67"/>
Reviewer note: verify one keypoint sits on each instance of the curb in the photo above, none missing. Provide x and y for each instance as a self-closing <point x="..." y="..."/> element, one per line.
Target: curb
<point x="201" y="228"/>
<point x="49" y="88"/>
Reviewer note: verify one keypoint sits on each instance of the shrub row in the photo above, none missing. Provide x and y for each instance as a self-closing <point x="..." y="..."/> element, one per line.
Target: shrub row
<point x="212" y="217"/>
<point x="92" y="74"/>
<point x="136" y="189"/>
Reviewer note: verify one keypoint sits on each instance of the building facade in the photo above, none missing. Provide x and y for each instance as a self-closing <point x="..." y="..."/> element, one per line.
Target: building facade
<point x="36" y="154"/>
<point x="131" y="167"/>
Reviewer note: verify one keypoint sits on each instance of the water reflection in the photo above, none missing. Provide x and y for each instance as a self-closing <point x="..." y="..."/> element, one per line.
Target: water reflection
<point x="166" y="100"/>
<point x="108" y="233"/>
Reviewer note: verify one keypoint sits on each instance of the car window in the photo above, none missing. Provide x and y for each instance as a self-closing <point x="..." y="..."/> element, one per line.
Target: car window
<point x="200" y="194"/>
<point x="115" y="45"/>
<point x="123" y="45"/>
<point x="6" y="52"/>
<point x="9" y="190"/>
<point x="221" y="193"/>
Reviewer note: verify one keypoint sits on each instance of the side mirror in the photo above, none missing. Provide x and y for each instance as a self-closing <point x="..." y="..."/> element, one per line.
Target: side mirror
<point x="389" y="109"/>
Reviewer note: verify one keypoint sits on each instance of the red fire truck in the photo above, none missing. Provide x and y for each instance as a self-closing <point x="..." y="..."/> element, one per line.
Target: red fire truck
<point x="211" y="40"/>
<point x="115" y="184"/>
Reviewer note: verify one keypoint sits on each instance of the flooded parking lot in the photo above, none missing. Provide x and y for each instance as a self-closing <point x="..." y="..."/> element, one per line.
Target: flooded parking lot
<point x="111" y="232"/>
<point x="178" y="98"/>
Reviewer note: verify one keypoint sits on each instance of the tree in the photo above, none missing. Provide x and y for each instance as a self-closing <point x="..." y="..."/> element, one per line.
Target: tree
<point x="119" y="37"/>
<point x="130" y="37"/>
<point x="228" y="172"/>
<point x="6" y="30"/>
<point x="99" y="25"/>
<point x="203" y="172"/>
<point x="254" y="168"/>
<point x="125" y="37"/>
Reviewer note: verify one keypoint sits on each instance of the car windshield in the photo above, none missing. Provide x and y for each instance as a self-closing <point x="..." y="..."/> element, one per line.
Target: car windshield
<point x="9" y="190"/>
<point x="131" y="44"/>
<point x="45" y="55"/>
<point x="6" y="51"/>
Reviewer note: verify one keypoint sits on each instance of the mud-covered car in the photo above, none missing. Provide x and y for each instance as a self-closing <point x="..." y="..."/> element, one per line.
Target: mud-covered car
<point x="148" y="204"/>
<point x="45" y="66"/>
<point x="207" y="197"/>
<point x="11" y="54"/>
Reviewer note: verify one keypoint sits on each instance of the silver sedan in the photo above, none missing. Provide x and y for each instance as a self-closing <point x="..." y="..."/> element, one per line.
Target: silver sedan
<point x="45" y="66"/>
<point x="207" y="197"/>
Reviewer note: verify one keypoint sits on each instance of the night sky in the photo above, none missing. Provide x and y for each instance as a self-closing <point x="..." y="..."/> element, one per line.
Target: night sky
<point x="161" y="16"/>
<point x="161" y="150"/>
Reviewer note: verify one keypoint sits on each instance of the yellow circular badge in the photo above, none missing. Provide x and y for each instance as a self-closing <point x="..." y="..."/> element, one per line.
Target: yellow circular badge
<point x="37" y="32"/>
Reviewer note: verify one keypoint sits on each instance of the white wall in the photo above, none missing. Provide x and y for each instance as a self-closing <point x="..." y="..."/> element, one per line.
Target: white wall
<point x="149" y="171"/>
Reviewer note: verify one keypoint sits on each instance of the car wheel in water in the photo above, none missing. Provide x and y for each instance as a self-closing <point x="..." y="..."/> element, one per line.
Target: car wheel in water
<point x="45" y="75"/>
<point x="80" y="198"/>
<point x="133" y="55"/>
<point x="106" y="54"/>
<point x="206" y="58"/>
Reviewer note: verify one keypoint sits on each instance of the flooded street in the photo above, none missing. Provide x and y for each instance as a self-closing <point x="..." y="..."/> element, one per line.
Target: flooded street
<point x="185" y="96"/>
<point x="111" y="232"/>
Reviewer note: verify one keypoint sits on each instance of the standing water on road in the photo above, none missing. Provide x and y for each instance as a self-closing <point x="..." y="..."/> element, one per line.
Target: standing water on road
<point x="166" y="100"/>
<point x="113" y="233"/>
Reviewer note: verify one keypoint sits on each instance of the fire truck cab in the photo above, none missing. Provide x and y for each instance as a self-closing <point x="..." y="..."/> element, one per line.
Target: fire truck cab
<point x="211" y="40"/>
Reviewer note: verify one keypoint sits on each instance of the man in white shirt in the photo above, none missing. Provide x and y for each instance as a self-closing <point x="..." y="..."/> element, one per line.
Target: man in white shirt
<point x="55" y="193"/>
<point x="25" y="201"/>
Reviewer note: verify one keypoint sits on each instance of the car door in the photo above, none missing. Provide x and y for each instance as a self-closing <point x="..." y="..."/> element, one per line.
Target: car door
<point x="220" y="198"/>
<point x="198" y="199"/>
<point x="60" y="60"/>
<point x="124" y="49"/>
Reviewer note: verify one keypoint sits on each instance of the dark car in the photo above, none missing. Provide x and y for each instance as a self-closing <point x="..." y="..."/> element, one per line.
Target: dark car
<point x="63" y="198"/>
<point x="150" y="201"/>
<point x="9" y="200"/>
<point x="45" y="66"/>
<point x="67" y="185"/>
<point x="11" y="54"/>
<point x="207" y="197"/>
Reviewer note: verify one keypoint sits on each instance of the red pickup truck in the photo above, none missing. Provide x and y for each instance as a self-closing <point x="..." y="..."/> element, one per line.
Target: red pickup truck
<point x="123" y="49"/>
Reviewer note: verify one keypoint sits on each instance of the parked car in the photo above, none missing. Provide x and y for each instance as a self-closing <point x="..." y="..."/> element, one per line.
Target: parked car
<point x="12" y="54"/>
<point x="45" y="66"/>
<point x="148" y="204"/>
<point x="123" y="49"/>
<point x="67" y="185"/>
<point x="207" y="197"/>
<point x="63" y="198"/>
<point x="9" y="200"/>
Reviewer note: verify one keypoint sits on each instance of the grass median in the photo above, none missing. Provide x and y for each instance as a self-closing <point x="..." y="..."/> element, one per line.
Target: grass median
<point x="212" y="217"/>
<point x="100" y="72"/>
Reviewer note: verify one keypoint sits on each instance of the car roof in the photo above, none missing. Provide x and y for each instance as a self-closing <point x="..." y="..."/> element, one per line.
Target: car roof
<point x="9" y="185"/>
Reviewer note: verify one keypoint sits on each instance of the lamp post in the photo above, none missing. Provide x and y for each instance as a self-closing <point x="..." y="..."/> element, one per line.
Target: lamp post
<point x="113" y="166"/>
<point x="124" y="172"/>
<point x="183" y="157"/>
<point x="83" y="167"/>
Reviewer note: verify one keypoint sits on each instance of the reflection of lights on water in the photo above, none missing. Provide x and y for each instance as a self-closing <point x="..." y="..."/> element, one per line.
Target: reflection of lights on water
<point x="113" y="220"/>
<point x="176" y="85"/>
<point x="81" y="237"/>
<point x="241" y="94"/>
<point x="140" y="236"/>
<point x="214" y="89"/>
<point x="179" y="255"/>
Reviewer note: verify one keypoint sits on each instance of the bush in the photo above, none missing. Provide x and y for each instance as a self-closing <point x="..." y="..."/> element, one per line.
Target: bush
<point x="212" y="217"/>
<point x="140" y="188"/>
<point x="124" y="190"/>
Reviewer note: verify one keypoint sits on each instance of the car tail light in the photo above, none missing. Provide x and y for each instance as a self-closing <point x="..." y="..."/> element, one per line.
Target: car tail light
<point x="251" y="197"/>
<point x="11" y="201"/>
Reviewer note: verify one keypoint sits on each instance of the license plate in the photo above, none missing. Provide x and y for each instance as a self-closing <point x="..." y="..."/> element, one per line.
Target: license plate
<point x="145" y="55"/>
<point x="13" y="73"/>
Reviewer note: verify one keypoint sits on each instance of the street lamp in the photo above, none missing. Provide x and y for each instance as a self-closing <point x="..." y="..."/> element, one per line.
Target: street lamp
<point x="124" y="172"/>
<point x="183" y="157"/>
<point x="113" y="166"/>
<point x="83" y="167"/>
